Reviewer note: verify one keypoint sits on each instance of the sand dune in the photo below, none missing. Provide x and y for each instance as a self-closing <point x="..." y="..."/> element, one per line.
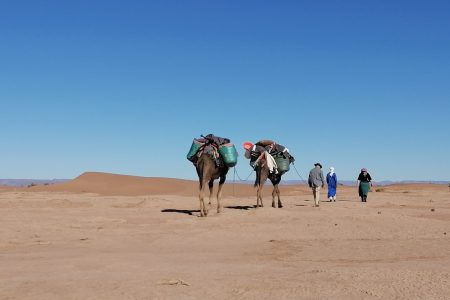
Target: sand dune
<point x="126" y="185"/>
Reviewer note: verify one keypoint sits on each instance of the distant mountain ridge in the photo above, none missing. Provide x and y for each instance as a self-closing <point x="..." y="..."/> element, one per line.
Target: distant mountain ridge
<point x="28" y="182"/>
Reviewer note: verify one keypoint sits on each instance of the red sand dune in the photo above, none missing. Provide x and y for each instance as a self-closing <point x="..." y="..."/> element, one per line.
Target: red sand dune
<point x="115" y="184"/>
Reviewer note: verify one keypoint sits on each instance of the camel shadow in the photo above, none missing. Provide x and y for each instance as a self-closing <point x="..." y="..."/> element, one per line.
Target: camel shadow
<point x="241" y="207"/>
<point x="181" y="211"/>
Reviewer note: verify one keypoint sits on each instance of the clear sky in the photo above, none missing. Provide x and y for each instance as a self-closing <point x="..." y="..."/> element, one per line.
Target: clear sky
<point x="124" y="86"/>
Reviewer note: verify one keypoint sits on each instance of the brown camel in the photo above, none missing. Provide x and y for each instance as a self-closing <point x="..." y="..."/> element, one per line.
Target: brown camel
<point x="262" y="173"/>
<point x="208" y="171"/>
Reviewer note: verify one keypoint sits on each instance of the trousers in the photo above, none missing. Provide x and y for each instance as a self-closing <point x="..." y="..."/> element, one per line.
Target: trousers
<point x="316" y="193"/>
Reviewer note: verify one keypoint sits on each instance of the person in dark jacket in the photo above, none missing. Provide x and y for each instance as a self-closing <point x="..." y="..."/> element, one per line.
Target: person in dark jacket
<point x="364" y="184"/>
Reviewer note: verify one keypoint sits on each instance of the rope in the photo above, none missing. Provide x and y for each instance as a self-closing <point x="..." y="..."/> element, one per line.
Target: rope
<point x="298" y="172"/>
<point x="234" y="178"/>
<point x="235" y="172"/>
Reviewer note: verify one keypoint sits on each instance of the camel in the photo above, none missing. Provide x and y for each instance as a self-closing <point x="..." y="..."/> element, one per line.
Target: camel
<point x="207" y="172"/>
<point x="262" y="173"/>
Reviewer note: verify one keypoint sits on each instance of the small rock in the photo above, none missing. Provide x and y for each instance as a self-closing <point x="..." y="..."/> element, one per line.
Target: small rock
<point x="173" y="282"/>
<point x="379" y="212"/>
<point x="432" y="209"/>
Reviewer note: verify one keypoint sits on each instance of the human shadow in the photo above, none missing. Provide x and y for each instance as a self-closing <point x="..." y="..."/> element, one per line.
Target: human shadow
<point x="181" y="211"/>
<point x="344" y="200"/>
<point x="306" y="200"/>
<point x="241" y="207"/>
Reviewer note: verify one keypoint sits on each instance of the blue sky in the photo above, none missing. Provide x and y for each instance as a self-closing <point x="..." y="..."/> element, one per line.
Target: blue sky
<point x="124" y="86"/>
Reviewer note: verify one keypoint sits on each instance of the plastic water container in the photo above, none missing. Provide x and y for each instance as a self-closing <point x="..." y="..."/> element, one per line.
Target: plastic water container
<point x="229" y="154"/>
<point x="194" y="149"/>
<point x="282" y="164"/>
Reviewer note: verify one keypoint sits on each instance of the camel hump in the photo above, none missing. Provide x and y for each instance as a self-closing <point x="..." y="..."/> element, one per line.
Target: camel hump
<point x="216" y="139"/>
<point x="265" y="143"/>
<point x="221" y="150"/>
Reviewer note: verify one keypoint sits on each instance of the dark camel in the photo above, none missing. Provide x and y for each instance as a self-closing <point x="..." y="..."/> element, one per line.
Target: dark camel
<point x="262" y="173"/>
<point x="208" y="171"/>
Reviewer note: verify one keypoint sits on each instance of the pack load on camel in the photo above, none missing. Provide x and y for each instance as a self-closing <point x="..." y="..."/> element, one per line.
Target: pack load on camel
<point x="276" y="156"/>
<point x="221" y="150"/>
<point x="212" y="157"/>
<point x="270" y="161"/>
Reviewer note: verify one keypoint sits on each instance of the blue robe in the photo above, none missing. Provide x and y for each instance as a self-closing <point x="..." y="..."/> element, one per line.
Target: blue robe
<point x="332" y="184"/>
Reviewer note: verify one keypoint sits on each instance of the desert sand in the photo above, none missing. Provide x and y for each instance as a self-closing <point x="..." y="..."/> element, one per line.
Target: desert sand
<point x="105" y="236"/>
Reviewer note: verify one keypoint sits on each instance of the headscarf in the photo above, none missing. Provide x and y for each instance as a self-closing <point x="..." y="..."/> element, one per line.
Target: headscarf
<point x="331" y="171"/>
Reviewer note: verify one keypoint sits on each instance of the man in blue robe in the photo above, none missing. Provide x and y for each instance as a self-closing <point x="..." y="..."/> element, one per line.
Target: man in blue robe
<point x="332" y="185"/>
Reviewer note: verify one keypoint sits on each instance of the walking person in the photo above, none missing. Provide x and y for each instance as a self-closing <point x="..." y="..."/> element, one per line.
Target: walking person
<point x="316" y="182"/>
<point x="364" y="184"/>
<point x="332" y="185"/>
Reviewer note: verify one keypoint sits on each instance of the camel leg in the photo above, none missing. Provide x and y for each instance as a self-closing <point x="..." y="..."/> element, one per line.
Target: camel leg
<point x="203" y="208"/>
<point x="280" y="205"/>
<point x="200" y="198"/>
<point x="261" y="177"/>
<point x="201" y="202"/>
<point x="219" y="195"/>
<point x="259" y="201"/>
<point x="257" y="197"/>
<point x="210" y="185"/>
<point x="274" y="192"/>
<point x="260" y="197"/>
<point x="219" y="192"/>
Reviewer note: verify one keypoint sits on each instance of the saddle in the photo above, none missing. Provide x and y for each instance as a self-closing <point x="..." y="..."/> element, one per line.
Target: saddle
<point x="211" y="145"/>
<point x="212" y="150"/>
<point x="279" y="156"/>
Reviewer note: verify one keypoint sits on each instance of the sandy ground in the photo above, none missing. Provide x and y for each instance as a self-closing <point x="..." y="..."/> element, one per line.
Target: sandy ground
<point x="57" y="244"/>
